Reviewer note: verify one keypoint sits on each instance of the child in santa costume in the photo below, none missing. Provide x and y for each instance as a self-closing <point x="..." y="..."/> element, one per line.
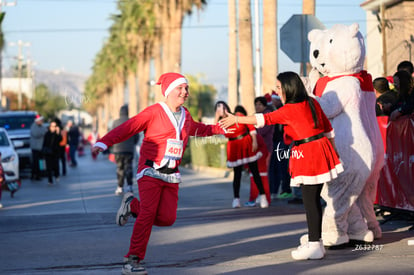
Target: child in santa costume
<point x="242" y="149"/>
<point x="167" y="126"/>
<point x="313" y="158"/>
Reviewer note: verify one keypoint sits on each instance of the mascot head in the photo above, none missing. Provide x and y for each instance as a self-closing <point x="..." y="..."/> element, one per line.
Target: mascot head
<point x="336" y="51"/>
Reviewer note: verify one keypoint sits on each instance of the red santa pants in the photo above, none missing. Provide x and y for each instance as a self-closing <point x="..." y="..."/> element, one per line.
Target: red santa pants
<point x="157" y="206"/>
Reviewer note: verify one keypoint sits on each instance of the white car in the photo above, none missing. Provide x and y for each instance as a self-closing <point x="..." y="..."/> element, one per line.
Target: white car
<point x="9" y="157"/>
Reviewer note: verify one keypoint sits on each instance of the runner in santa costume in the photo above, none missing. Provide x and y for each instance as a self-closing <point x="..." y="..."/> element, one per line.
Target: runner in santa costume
<point x="313" y="158"/>
<point x="167" y="126"/>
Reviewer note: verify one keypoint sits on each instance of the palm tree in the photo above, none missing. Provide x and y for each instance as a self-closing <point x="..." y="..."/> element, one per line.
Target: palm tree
<point x="233" y="68"/>
<point x="246" y="56"/>
<point x="269" y="45"/>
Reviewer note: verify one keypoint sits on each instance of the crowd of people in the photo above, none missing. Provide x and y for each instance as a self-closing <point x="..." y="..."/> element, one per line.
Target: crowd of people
<point x="292" y="124"/>
<point x="298" y="128"/>
<point x="49" y="144"/>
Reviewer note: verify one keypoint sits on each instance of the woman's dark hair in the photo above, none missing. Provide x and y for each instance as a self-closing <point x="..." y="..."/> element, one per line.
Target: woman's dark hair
<point x="261" y="99"/>
<point x="295" y="91"/>
<point x="405" y="84"/>
<point x="226" y="107"/>
<point x="240" y="109"/>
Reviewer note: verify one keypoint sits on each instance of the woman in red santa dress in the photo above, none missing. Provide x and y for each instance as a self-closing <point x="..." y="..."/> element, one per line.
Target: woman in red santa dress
<point x="167" y="126"/>
<point x="242" y="149"/>
<point x="313" y="157"/>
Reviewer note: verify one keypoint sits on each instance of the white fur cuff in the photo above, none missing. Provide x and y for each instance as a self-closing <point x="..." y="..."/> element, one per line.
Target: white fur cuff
<point x="260" y="122"/>
<point x="101" y="145"/>
<point x="330" y="134"/>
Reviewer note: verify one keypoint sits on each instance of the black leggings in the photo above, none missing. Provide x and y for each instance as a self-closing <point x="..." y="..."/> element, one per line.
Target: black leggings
<point x="237" y="178"/>
<point x="311" y="195"/>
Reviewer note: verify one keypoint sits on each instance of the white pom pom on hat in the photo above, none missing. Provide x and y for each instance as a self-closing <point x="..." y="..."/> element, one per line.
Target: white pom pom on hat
<point x="169" y="81"/>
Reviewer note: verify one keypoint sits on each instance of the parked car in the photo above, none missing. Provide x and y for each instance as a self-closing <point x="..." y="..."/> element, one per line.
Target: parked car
<point x="9" y="157"/>
<point x="17" y="125"/>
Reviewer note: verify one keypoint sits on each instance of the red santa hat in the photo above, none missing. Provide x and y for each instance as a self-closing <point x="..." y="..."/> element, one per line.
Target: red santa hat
<point x="268" y="98"/>
<point x="274" y="95"/>
<point x="169" y="81"/>
<point x="38" y="118"/>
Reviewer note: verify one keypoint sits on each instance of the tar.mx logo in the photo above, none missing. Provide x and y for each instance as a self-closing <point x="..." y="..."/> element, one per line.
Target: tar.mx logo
<point x="76" y="100"/>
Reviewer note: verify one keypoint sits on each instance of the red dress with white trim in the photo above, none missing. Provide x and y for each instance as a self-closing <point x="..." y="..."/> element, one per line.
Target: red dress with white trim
<point x="312" y="162"/>
<point x="239" y="146"/>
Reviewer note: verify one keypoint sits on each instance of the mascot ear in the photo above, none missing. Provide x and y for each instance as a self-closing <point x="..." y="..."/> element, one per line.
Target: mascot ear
<point x="313" y="34"/>
<point x="354" y="29"/>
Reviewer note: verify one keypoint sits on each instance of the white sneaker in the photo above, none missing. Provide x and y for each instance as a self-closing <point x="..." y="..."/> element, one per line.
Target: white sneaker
<point x="263" y="202"/>
<point x="1" y="205"/>
<point x="124" y="210"/>
<point x="119" y="191"/>
<point x="308" y="251"/>
<point x="305" y="238"/>
<point x="236" y="203"/>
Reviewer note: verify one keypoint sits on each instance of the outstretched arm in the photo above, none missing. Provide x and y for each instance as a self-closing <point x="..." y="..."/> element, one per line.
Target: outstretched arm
<point x="232" y="119"/>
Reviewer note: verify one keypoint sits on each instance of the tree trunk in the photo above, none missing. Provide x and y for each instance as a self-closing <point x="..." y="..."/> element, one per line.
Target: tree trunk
<point x="270" y="47"/>
<point x="246" y="56"/>
<point x="233" y="68"/>
<point x="132" y="95"/>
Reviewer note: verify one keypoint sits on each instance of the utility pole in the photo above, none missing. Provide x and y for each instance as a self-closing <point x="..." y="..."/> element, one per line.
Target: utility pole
<point x="2" y="14"/>
<point x="257" y="46"/>
<point x="20" y="44"/>
<point x="308" y="7"/>
<point x="384" y="39"/>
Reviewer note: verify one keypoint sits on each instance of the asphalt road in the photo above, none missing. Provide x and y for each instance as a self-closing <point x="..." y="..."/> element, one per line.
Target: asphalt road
<point x="69" y="228"/>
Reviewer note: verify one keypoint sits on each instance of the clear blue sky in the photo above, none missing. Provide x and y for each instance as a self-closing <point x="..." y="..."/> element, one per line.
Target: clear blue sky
<point x="69" y="33"/>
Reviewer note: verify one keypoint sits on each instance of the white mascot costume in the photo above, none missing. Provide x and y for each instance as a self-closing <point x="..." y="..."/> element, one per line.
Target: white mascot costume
<point x="347" y="97"/>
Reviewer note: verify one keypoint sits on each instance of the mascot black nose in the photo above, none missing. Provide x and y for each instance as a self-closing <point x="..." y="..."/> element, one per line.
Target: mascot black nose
<point x="315" y="53"/>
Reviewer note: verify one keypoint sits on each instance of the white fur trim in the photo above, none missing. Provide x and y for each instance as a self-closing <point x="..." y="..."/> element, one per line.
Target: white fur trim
<point x="101" y="145"/>
<point x="330" y="134"/>
<point x="243" y="161"/>
<point x="174" y="84"/>
<point x="254" y="132"/>
<point x="322" y="178"/>
<point x="259" y="120"/>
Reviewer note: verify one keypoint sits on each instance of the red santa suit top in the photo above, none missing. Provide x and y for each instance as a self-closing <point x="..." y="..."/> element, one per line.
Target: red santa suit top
<point x="312" y="162"/>
<point x="159" y="125"/>
<point x="239" y="146"/>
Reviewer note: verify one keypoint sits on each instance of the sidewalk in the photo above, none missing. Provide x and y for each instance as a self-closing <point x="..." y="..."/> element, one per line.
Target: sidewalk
<point x="70" y="228"/>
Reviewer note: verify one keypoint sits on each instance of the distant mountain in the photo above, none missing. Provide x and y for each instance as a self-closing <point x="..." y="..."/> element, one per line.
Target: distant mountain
<point x="68" y="85"/>
<point x="62" y="83"/>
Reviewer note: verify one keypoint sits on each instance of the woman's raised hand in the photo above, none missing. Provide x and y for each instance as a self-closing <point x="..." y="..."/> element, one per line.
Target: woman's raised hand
<point x="228" y="121"/>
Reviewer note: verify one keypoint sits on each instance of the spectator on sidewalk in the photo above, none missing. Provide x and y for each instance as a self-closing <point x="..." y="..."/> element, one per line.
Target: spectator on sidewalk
<point x="73" y="141"/>
<point x="62" y="145"/>
<point x="124" y="155"/>
<point x="242" y="149"/>
<point x="313" y="159"/>
<point x="37" y="133"/>
<point x="51" y="152"/>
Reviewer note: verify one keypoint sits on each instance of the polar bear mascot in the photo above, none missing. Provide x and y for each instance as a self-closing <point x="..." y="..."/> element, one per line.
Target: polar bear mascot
<point x="347" y="97"/>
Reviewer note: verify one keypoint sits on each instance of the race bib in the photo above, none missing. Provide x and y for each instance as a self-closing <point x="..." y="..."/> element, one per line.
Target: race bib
<point x="174" y="149"/>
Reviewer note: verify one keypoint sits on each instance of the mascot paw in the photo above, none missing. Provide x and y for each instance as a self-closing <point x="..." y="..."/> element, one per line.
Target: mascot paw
<point x="333" y="241"/>
<point x="362" y="238"/>
<point x="313" y="78"/>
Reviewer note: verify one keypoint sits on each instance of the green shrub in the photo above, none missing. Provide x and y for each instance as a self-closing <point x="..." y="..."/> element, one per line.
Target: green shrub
<point x="208" y="151"/>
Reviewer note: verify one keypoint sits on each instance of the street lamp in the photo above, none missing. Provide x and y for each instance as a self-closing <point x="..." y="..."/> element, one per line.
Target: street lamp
<point x="20" y="44"/>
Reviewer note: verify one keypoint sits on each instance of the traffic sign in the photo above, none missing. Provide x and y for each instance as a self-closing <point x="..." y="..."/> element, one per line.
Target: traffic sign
<point x="294" y="36"/>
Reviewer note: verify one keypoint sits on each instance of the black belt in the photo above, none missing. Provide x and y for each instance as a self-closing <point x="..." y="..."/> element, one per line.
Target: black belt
<point x="239" y="137"/>
<point x="164" y="170"/>
<point x="308" y="139"/>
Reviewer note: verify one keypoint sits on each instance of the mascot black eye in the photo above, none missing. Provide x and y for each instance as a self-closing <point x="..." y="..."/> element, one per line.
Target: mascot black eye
<point x="330" y="41"/>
